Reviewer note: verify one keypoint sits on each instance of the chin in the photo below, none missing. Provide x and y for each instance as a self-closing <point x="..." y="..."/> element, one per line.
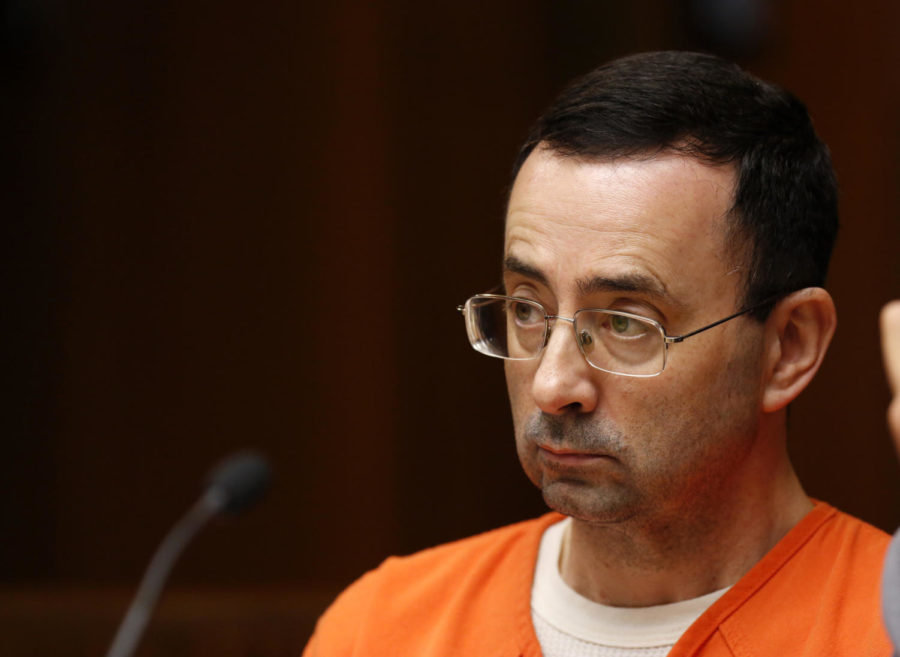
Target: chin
<point x="591" y="504"/>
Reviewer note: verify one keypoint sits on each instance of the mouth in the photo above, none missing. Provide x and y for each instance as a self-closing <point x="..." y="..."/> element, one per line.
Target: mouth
<point x="566" y="456"/>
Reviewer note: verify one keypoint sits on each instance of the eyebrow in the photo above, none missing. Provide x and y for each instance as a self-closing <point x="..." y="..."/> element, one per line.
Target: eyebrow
<point x="512" y="264"/>
<point x="626" y="282"/>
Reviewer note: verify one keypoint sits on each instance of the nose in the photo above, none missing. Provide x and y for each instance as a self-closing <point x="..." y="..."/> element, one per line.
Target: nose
<point x="564" y="382"/>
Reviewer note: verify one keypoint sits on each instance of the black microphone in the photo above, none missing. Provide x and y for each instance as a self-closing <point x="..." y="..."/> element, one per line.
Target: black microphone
<point x="239" y="481"/>
<point x="235" y="484"/>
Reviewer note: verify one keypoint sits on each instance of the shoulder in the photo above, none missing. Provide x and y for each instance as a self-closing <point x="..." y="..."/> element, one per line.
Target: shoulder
<point x="860" y="532"/>
<point x="454" y="586"/>
<point x="831" y="559"/>
<point x="850" y="549"/>
<point x="482" y="552"/>
<point x="832" y="586"/>
<point x="816" y="592"/>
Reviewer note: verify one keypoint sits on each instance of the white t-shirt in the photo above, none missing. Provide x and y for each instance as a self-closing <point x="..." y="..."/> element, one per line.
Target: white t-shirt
<point x="569" y="625"/>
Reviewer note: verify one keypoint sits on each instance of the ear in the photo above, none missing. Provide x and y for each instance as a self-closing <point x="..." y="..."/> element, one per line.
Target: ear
<point x="798" y="333"/>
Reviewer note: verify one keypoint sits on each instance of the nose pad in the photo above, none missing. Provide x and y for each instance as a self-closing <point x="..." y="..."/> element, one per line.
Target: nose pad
<point x="585" y="340"/>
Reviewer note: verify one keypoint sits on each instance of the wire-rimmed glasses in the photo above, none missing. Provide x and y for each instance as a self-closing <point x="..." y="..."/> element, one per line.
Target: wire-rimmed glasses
<point x="614" y="341"/>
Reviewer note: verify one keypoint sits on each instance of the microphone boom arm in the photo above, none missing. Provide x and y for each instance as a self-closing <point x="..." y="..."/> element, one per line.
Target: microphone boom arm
<point x="141" y="608"/>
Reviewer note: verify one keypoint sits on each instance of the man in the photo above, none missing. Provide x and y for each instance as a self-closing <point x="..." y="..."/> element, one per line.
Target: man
<point x="667" y="235"/>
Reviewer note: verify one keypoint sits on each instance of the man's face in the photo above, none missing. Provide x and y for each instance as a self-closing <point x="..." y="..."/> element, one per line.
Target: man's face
<point x="644" y="235"/>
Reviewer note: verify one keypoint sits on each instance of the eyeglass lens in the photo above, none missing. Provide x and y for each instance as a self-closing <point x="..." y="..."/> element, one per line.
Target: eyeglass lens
<point x="611" y="341"/>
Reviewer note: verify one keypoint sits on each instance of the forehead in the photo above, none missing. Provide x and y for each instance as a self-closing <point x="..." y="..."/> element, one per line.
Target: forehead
<point x="659" y="218"/>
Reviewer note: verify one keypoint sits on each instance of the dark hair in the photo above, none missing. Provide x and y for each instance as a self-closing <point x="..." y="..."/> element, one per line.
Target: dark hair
<point x="784" y="219"/>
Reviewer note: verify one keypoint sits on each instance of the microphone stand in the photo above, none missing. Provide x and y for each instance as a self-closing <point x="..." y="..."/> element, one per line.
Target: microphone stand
<point x="138" y="615"/>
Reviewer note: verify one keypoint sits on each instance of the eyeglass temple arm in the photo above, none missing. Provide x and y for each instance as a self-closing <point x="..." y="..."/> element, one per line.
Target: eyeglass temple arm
<point x="673" y="339"/>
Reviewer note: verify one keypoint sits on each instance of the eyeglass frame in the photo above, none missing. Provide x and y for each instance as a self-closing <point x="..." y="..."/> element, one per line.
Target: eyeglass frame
<point x="667" y="339"/>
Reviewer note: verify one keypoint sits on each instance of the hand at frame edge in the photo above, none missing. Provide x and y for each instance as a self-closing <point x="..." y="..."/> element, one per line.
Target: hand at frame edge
<point x="890" y="345"/>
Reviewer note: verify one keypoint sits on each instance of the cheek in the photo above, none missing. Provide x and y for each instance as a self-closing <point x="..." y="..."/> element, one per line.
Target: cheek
<point x="518" y="384"/>
<point x="688" y="413"/>
<point x="518" y="387"/>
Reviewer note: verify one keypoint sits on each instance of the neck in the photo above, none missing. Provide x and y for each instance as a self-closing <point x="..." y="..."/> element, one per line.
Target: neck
<point x="684" y="553"/>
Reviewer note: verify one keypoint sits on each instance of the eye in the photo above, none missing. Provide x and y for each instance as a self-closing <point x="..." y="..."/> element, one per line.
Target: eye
<point x="525" y="313"/>
<point x="626" y="326"/>
<point x="619" y="324"/>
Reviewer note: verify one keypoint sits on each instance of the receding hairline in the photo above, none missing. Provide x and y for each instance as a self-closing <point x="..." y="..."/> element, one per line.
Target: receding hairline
<point x="729" y="218"/>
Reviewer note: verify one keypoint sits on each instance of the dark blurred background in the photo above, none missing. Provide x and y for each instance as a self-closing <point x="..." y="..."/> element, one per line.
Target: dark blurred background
<point x="232" y="224"/>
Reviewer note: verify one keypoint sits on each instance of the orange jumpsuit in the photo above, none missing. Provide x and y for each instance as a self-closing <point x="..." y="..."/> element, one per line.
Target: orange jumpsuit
<point x="815" y="594"/>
